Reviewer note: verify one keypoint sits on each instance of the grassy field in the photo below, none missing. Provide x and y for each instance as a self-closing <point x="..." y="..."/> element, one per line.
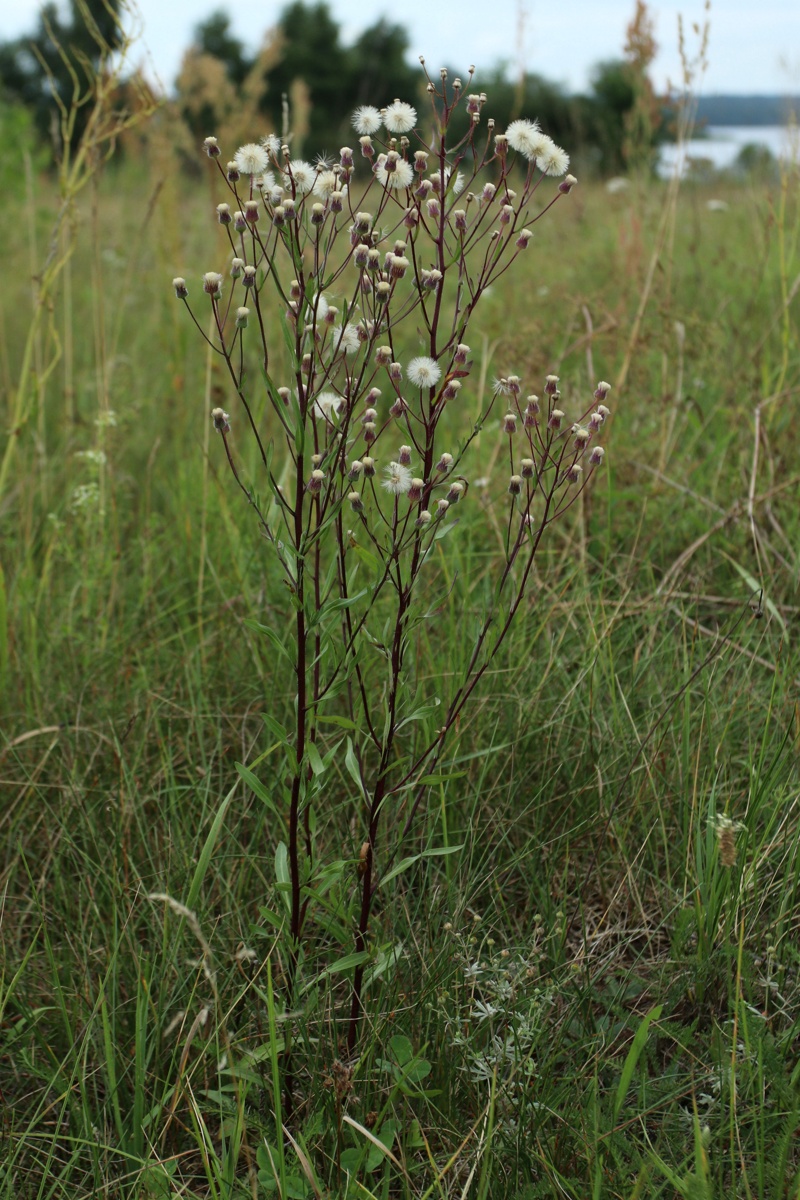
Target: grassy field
<point x="597" y="994"/>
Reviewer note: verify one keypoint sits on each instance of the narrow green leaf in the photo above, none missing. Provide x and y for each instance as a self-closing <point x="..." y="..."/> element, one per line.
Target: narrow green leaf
<point x="405" y="863"/>
<point x="351" y="762"/>
<point x="282" y="874"/>
<point x="342" y="722"/>
<point x="632" y="1058"/>
<point x="208" y="849"/>
<point x="257" y="787"/>
<point x="419" y="714"/>
<point x="279" y="644"/>
<point x="314" y="760"/>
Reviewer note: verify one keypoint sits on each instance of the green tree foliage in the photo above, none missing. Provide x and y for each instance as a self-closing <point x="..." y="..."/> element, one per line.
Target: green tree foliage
<point x="377" y="69"/>
<point x="561" y="116"/>
<point x="312" y="53"/>
<point x="336" y="78"/>
<point x="215" y="37"/>
<point x="61" y="50"/>
<point x="612" y="97"/>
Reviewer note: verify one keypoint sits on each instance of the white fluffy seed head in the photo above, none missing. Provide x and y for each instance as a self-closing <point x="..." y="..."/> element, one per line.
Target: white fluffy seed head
<point x="399" y="117"/>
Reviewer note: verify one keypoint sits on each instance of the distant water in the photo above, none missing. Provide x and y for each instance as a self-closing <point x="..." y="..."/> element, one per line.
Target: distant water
<point x="724" y="142"/>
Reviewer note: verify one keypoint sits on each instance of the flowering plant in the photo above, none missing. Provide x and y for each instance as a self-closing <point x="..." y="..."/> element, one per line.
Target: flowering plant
<point x="359" y="312"/>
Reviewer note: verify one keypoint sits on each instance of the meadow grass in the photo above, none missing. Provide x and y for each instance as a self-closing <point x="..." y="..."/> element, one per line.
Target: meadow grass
<point x="597" y="994"/>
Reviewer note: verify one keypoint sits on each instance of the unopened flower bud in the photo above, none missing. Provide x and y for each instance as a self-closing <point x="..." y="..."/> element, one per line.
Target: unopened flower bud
<point x="239" y="223"/>
<point x="444" y="462"/>
<point x="249" y="277"/>
<point x="370" y="432"/>
<point x="420" y="161"/>
<point x="488" y="193"/>
<point x="411" y="218"/>
<point x="551" y="385"/>
<point x="288" y="206"/>
<point x="367" y="149"/>
<point x="222" y="421"/>
<point x="442" y="507"/>
<point x="251" y="211"/>
<point x="211" y="147"/>
<point x="279" y="216"/>
<point x="241" y="317"/>
<point x="596" y="456"/>
<point x="360" y="255"/>
<point x="181" y="290"/>
<point x="369" y="466"/>
<point x="456" y="492"/>
<point x="423" y="519"/>
<point x="526" y="466"/>
<point x="501" y="145"/>
<point x="317" y="214"/>
<point x="237" y="266"/>
<point x="525" y="236"/>
<point x="383" y="356"/>
<point x="510" y="423"/>
<point x="460" y="218"/>
<point x="336" y="202"/>
<point x="404" y="456"/>
<point x="363" y="222"/>
<point x="356" y="503"/>
<point x="451" y="389"/>
<point x="595" y="421"/>
<point x="346" y="157"/>
<point x="399" y="266"/>
<point x="212" y="283"/>
<point x="556" y="417"/>
<point x="285" y="394"/>
<point x="415" y="491"/>
<point x="314" y="484"/>
<point x="461" y="354"/>
<point x="581" y="438"/>
<point x="370" y="414"/>
<point x="604" y="412"/>
<point x="567" y="184"/>
<point x="574" y="472"/>
<point x="506" y="213"/>
<point x="433" y="207"/>
<point x="374" y="260"/>
<point x="423" y="189"/>
<point x="232" y="173"/>
<point x="224" y="214"/>
<point x="515" y="485"/>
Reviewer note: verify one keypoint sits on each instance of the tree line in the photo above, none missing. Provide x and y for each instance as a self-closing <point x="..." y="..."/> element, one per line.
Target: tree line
<point x="305" y="78"/>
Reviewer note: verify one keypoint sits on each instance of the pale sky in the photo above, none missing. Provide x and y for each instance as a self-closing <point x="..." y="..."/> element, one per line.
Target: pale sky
<point x="753" y="47"/>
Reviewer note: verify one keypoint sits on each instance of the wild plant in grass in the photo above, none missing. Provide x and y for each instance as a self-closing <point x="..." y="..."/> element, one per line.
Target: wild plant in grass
<point x="357" y="300"/>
